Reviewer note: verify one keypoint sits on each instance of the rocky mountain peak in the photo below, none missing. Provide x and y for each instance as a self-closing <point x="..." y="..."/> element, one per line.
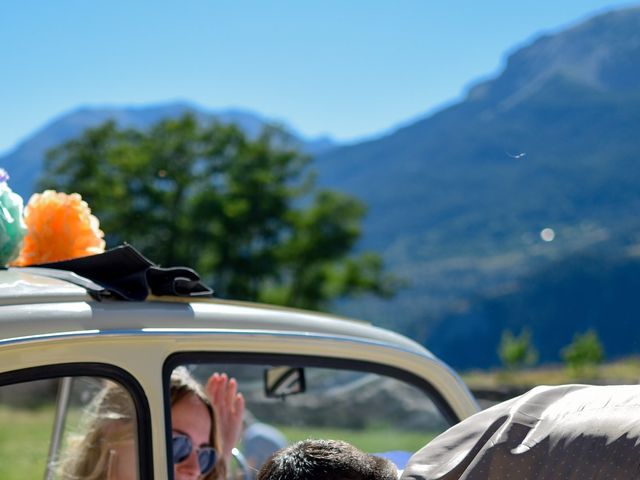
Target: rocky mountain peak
<point x="602" y="53"/>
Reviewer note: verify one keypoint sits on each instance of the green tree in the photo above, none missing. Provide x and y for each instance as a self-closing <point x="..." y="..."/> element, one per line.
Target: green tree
<point x="244" y="212"/>
<point x="583" y="354"/>
<point x="517" y="351"/>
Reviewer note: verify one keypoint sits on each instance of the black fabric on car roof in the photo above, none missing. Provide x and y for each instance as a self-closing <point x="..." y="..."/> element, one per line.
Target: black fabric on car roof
<point x="129" y="275"/>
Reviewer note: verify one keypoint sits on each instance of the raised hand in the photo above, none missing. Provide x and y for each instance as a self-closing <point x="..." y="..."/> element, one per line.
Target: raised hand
<point x="228" y="405"/>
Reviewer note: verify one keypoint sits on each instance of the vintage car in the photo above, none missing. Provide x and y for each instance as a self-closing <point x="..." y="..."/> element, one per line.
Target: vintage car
<point x="303" y="374"/>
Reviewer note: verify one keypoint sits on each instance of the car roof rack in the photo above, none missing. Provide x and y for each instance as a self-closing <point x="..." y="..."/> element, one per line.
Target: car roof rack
<point x="124" y="273"/>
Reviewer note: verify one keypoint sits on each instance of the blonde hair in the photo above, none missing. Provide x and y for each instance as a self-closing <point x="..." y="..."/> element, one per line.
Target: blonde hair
<point x="110" y="418"/>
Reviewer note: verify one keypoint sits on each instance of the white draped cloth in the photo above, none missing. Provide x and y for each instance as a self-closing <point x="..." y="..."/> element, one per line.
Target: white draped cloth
<point x="568" y="432"/>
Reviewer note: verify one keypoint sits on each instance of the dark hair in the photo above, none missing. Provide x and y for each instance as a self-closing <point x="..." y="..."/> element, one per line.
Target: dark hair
<point x="325" y="459"/>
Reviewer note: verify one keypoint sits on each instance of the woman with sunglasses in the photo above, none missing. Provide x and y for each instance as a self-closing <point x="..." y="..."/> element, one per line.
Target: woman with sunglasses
<point x="205" y="428"/>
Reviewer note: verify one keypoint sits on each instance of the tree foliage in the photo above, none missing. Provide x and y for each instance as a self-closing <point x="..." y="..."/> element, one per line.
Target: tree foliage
<point x="243" y="211"/>
<point x="583" y="354"/>
<point x="517" y="351"/>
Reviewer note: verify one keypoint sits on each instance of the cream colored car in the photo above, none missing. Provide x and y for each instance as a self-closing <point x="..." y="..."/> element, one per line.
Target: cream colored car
<point x="303" y="374"/>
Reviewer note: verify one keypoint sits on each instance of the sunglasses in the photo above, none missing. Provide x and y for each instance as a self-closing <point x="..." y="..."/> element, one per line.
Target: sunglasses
<point x="182" y="448"/>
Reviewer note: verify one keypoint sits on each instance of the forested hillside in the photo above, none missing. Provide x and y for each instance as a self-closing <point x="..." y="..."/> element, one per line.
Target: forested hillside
<point x="458" y="200"/>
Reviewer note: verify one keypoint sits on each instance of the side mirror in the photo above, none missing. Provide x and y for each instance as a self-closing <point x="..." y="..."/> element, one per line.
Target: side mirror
<point x="280" y="382"/>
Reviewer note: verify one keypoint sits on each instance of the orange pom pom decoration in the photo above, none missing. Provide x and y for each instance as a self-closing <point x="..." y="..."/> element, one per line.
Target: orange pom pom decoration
<point x="59" y="227"/>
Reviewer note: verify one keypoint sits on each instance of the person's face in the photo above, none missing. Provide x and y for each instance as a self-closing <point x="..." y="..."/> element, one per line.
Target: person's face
<point x="122" y="461"/>
<point x="122" y="453"/>
<point x="190" y="417"/>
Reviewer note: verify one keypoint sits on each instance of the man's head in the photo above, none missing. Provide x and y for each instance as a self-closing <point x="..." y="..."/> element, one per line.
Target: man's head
<point x="326" y="459"/>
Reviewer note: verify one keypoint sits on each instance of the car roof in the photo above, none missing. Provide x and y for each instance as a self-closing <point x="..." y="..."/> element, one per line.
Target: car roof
<point x="44" y="314"/>
<point x="22" y="286"/>
<point x="32" y="303"/>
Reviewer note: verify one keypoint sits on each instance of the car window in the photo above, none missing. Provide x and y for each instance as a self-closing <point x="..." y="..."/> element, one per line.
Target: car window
<point x="68" y="427"/>
<point x="376" y="412"/>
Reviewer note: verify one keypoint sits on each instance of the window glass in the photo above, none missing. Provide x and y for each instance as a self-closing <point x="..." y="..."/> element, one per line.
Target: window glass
<point x="67" y="428"/>
<point x="376" y="413"/>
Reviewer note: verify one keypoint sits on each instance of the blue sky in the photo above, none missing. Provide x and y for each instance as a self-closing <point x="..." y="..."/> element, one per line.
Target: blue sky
<point x="347" y="68"/>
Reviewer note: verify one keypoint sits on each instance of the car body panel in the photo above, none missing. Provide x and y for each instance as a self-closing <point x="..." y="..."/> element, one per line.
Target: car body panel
<point x="58" y="323"/>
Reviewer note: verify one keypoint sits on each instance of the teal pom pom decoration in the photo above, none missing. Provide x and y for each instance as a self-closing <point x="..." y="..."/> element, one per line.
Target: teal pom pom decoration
<point x="12" y="226"/>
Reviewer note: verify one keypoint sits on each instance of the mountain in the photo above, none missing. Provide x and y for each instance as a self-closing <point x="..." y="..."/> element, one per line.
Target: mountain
<point x="24" y="163"/>
<point x="588" y="290"/>
<point x="458" y="200"/>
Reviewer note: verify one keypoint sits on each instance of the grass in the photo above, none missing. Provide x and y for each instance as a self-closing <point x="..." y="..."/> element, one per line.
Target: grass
<point x="25" y="434"/>
<point x="625" y="371"/>
<point x="24" y="442"/>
